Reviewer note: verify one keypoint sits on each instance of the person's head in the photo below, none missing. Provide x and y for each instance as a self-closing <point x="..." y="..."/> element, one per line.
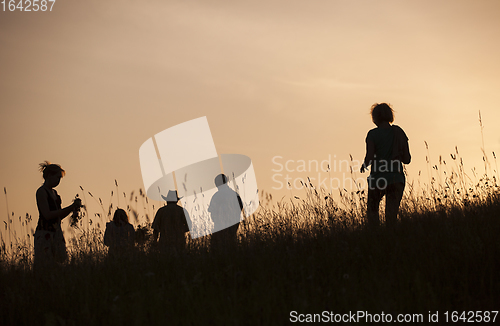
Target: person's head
<point x="382" y="113"/>
<point x="120" y="217"/>
<point x="52" y="173"/>
<point x="220" y="180"/>
<point x="172" y="197"/>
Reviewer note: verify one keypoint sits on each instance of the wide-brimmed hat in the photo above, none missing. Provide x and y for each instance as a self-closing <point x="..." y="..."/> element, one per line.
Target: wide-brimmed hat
<point x="172" y="196"/>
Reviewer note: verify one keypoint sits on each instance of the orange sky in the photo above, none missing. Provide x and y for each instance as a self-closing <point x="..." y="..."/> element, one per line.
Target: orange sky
<point x="86" y="84"/>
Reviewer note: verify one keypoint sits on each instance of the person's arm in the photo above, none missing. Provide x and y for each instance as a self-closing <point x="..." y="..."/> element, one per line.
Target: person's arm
<point x="403" y="149"/>
<point x="106" y="236"/>
<point x="187" y="218"/>
<point x="43" y="206"/>
<point x="210" y="205"/>
<point x="406" y="159"/>
<point x="131" y="234"/>
<point x="240" y="202"/>
<point x="155" y="226"/>
<point x="370" y="155"/>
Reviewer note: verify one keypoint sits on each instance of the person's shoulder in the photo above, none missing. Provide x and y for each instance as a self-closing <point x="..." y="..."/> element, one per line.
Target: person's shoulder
<point x="162" y="210"/>
<point x="178" y="211"/>
<point x="179" y="208"/>
<point x="41" y="193"/>
<point x="111" y="227"/>
<point x="371" y="133"/>
<point x="397" y="127"/>
<point x="399" y="130"/>
<point x="170" y="208"/>
<point x="216" y="195"/>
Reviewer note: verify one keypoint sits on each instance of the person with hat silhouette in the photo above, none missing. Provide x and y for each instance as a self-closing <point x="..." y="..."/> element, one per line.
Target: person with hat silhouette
<point x="170" y="223"/>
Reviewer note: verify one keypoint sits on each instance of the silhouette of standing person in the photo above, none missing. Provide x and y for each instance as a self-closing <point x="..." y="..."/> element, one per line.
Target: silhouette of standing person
<point x="225" y="210"/>
<point x="120" y="234"/>
<point x="49" y="243"/>
<point x="170" y="223"/>
<point x="386" y="150"/>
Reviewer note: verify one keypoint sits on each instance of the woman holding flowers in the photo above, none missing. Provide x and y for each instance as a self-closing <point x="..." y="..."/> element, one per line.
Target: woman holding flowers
<point x="50" y="245"/>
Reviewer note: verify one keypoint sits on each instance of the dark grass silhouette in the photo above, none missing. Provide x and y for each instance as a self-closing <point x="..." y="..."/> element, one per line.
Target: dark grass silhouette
<point x="307" y="255"/>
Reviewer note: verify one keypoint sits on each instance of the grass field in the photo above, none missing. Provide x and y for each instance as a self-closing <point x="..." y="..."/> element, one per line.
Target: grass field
<point x="312" y="256"/>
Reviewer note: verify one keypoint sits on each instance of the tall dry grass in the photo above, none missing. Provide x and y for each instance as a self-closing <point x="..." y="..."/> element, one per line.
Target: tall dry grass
<point x="309" y="254"/>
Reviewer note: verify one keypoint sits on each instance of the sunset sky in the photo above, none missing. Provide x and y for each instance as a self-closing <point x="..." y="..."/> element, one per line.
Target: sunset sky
<point x="86" y="84"/>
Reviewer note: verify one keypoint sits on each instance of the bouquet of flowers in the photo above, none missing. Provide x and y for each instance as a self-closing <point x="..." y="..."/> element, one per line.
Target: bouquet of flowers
<point x="76" y="216"/>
